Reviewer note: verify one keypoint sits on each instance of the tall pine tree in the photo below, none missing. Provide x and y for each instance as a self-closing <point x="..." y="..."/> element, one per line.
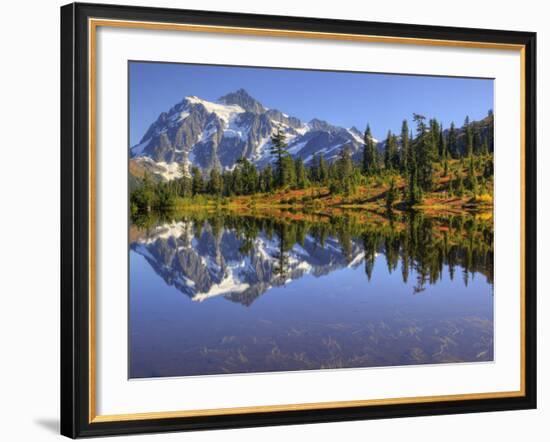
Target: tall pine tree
<point x="370" y="155"/>
<point x="279" y="151"/>
<point x="323" y="170"/>
<point x="425" y="153"/>
<point x="266" y="179"/>
<point x="452" y="142"/>
<point x="215" y="185"/>
<point x="198" y="182"/>
<point x="469" y="137"/>
<point x="405" y="146"/>
<point x="391" y="155"/>
<point x="301" y="178"/>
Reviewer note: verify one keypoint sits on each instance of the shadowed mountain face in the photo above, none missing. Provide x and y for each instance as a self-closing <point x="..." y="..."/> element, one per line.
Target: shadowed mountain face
<point x="244" y="100"/>
<point x="197" y="132"/>
<point x="215" y="293"/>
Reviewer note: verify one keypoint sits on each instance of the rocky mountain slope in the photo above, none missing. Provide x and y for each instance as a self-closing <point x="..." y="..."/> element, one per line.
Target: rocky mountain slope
<point x="197" y="132"/>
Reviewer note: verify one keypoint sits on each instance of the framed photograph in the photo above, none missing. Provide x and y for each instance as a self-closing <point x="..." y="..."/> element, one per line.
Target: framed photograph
<point x="279" y="220"/>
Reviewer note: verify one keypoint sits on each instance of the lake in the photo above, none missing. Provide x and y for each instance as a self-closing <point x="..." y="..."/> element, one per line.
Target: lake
<point x="216" y="293"/>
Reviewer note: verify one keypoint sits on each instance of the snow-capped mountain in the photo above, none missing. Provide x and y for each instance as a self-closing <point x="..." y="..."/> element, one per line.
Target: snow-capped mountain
<point x="215" y="263"/>
<point x="208" y="134"/>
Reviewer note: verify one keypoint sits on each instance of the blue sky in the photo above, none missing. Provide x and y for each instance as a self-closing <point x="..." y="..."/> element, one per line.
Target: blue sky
<point x="342" y="98"/>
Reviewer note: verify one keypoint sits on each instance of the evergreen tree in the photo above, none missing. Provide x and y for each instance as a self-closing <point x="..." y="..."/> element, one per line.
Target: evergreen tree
<point x="370" y="155"/>
<point x="198" y="181"/>
<point x="301" y="178"/>
<point x="237" y="184"/>
<point x="333" y="171"/>
<point x="314" y="169"/>
<point x="411" y="157"/>
<point x="370" y="244"/>
<point x="323" y="170"/>
<point x="443" y="152"/>
<point x="279" y="150"/>
<point x="142" y="199"/>
<point x="472" y="178"/>
<point x="414" y="195"/>
<point x="391" y="155"/>
<point x="288" y="172"/>
<point x="405" y="146"/>
<point x="185" y="186"/>
<point x="345" y="164"/>
<point x="248" y="176"/>
<point x="469" y="137"/>
<point x="442" y="147"/>
<point x="345" y="172"/>
<point x="452" y="144"/>
<point x="227" y="180"/>
<point x="215" y="184"/>
<point x="395" y="158"/>
<point x="252" y="179"/>
<point x="476" y="138"/>
<point x="425" y="153"/>
<point x="163" y="197"/>
<point x="387" y="152"/>
<point x="267" y="179"/>
<point x="434" y="142"/>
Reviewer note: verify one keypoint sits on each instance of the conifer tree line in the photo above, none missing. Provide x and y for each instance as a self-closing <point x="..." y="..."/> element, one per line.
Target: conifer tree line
<point x="418" y="155"/>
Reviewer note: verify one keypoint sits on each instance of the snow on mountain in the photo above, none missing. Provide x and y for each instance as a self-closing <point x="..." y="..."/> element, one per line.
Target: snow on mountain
<point x="212" y="265"/>
<point x="167" y="171"/>
<point x="225" y="112"/>
<point x="207" y="134"/>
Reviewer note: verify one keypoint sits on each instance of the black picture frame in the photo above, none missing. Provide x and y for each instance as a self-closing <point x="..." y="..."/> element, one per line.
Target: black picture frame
<point x="75" y="220"/>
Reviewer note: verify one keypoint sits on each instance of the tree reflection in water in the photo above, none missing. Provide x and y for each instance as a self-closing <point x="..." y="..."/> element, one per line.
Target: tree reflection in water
<point x="337" y="291"/>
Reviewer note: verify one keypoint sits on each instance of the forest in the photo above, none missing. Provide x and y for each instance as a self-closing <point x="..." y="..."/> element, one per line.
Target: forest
<point x="427" y="167"/>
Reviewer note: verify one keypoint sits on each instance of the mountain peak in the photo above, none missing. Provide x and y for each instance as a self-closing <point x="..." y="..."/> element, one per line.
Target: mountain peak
<point x="243" y="99"/>
<point x="215" y="134"/>
<point x="318" y="124"/>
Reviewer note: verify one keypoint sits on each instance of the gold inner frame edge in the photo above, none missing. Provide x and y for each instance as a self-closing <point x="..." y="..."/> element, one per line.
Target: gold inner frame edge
<point x="93" y="24"/>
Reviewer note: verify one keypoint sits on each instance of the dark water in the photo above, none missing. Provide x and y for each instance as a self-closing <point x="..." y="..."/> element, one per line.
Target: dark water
<point x="216" y="294"/>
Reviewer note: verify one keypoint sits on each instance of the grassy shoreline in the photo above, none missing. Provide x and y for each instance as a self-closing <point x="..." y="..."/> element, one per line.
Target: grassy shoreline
<point x="319" y="199"/>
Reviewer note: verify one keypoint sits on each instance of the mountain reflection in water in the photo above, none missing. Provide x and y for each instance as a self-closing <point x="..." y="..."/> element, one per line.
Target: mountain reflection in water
<point x="217" y="293"/>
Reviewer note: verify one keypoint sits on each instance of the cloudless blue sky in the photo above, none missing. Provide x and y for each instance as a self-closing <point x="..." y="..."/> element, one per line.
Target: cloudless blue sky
<point x="341" y="98"/>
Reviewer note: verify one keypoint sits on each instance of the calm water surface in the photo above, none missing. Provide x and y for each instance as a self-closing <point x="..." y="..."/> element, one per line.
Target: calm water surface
<point x="223" y="294"/>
